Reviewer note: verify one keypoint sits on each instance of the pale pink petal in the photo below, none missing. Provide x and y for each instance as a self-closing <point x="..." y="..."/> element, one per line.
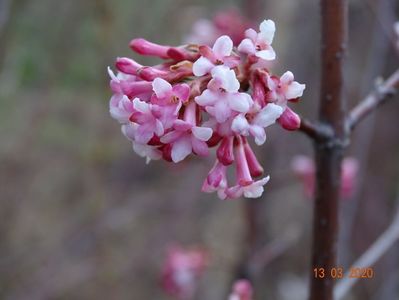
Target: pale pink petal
<point x="141" y="106"/>
<point x="202" y="66"/>
<point x="258" y="133"/>
<point x="181" y="148"/>
<point x="220" y="111"/>
<point x="227" y="78"/>
<point x="294" y="90"/>
<point x="144" y="133"/>
<point x="267" y="29"/>
<point x="199" y="147"/>
<point x="206" y="98"/>
<point x="267" y="54"/>
<point x="149" y="152"/>
<point x="240" y="125"/>
<point x="256" y="189"/>
<point x="246" y="46"/>
<point x="202" y="133"/>
<point x="240" y="102"/>
<point x="181" y="125"/>
<point x="234" y="192"/>
<point x="223" y="46"/>
<point x="287" y="78"/>
<point x="170" y="137"/>
<point x="182" y="91"/>
<point x="161" y="87"/>
<point x="268" y="115"/>
<point x="159" y="130"/>
<point x="251" y="34"/>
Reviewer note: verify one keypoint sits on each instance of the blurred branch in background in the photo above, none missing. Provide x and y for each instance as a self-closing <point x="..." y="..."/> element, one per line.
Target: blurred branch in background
<point x="383" y="92"/>
<point x="371" y="256"/>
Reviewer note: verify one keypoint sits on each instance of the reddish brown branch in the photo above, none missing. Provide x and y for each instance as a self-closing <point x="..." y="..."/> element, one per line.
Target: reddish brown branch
<point x="376" y="98"/>
<point x="329" y="151"/>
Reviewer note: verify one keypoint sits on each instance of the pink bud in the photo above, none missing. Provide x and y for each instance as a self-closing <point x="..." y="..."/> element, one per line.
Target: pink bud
<point x="134" y="88"/>
<point x="127" y="65"/>
<point x="255" y="167"/>
<point x="144" y="47"/>
<point x="243" y="174"/>
<point x="225" y="151"/>
<point x="150" y="73"/>
<point x="289" y="120"/>
<point x="350" y="167"/>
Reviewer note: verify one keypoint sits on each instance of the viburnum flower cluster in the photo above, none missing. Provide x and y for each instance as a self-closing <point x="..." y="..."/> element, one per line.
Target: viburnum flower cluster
<point x="204" y="97"/>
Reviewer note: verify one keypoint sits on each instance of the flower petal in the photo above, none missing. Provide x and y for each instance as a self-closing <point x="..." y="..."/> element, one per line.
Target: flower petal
<point x="267" y="54"/>
<point x="258" y="133"/>
<point x="208" y="97"/>
<point x="240" y="125"/>
<point x="223" y="46"/>
<point x="268" y="115"/>
<point x="267" y="29"/>
<point x="246" y="46"/>
<point x="182" y="91"/>
<point x="202" y="133"/>
<point x="294" y="90"/>
<point x="240" y="102"/>
<point x="202" y="66"/>
<point x="199" y="147"/>
<point x="287" y="78"/>
<point x="181" y="148"/>
<point x="161" y="87"/>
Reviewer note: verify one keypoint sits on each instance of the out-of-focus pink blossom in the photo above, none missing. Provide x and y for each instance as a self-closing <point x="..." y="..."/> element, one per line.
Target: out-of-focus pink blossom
<point x="227" y="22"/>
<point x="201" y="97"/>
<point x="182" y="271"/>
<point x="305" y="169"/>
<point x="242" y="290"/>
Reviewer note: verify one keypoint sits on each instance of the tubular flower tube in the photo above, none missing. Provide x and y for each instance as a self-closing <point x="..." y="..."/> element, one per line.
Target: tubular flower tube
<point x="203" y="97"/>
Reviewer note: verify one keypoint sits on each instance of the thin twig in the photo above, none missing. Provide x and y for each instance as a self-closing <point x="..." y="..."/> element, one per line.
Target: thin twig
<point x="370" y="257"/>
<point x="314" y="131"/>
<point x="379" y="96"/>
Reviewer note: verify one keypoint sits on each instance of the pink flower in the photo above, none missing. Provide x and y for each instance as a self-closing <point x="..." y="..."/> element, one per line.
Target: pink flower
<point x="216" y="181"/>
<point x="148" y="117"/>
<point x="167" y="94"/>
<point x="182" y="271"/>
<point x="258" y="121"/>
<point x="120" y="108"/>
<point x="187" y="137"/>
<point x="259" y="44"/>
<point x="305" y="169"/>
<point x="242" y="290"/>
<point x="222" y="98"/>
<point x="220" y="54"/>
<point x="282" y="90"/>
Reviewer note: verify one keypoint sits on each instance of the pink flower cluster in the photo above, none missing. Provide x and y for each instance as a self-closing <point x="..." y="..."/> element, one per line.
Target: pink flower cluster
<point x="182" y="271"/>
<point x="305" y="169"/>
<point x="205" y="97"/>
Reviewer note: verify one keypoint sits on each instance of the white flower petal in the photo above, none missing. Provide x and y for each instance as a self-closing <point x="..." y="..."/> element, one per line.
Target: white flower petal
<point x="267" y="54"/>
<point x="181" y="148"/>
<point x="227" y="77"/>
<point x="287" y="78"/>
<point x="294" y="90"/>
<point x="259" y="134"/>
<point x="141" y="106"/>
<point x="267" y="29"/>
<point x="208" y="97"/>
<point x="202" y="133"/>
<point x="240" y="102"/>
<point x="223" y="46"/>
<point x="202" y="66"/>
<point x="268" y="115"/>
<point x="240" y="124"/>
<point x="251" y="34"/>
<point x="246" y="46"/>
<point x="161" y="87"/>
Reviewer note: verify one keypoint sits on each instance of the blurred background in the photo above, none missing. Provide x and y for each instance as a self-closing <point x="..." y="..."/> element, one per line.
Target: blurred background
<point x="83" y="217"/>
